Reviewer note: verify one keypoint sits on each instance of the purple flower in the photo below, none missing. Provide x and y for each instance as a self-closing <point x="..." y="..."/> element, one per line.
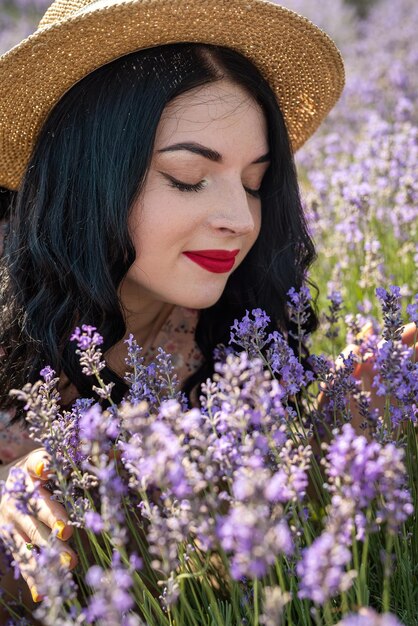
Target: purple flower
<point x="290" y="479"/>
<point x="21" y="491"/>
<point x="412" y="310"/>
<point x="337" y="385"/>
<point x="250" y="333"/>
<point x="299" y="305"/>
<point x="369" y="617"/>
<point x="391" y="307"/>
<point x="54" y="582"/>
<point x="88" y="342"/>
<point x="168" y="532"/>
<point x="97" y="426"/>
<point x="333" y="315"/>
<point x="94" y="522"/>
<point x="72" y="440"/>
<point x="154" y="454"/>
<point x="47" y="374"/>
<point x="364" y="473"/>
<point x="322" y="570"/>
<point x="86" y="337"/>
<point x="252" y="539"/>
<point x="283" y="362"/>
<point x="397" y="377"/>
<point x="154" y="383"/>
<point x="111" y="599"/>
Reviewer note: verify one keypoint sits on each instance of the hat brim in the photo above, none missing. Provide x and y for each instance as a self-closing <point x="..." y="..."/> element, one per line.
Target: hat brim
<point x="300" y="62"/>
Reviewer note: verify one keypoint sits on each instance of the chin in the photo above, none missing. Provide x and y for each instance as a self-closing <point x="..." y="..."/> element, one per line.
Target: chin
<point x="201" y="301"/>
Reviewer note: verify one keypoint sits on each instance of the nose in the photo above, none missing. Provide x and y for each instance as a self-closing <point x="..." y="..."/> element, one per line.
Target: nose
<point x="235" y="211"/>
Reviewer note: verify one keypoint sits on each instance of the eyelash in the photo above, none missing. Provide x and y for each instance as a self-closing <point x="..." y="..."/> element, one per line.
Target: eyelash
<point x="177" y="184"/>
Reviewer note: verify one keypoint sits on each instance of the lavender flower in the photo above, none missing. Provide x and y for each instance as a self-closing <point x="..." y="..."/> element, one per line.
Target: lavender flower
<point x="97" y="429"/>
<point x="111" y="491"/>
<point x="18" y="488"/>
<point x="168" y="531"/>
<point x="274" y="602"/>
<point x="397" y="377"/>
<point x="365" y="472"/>
<point x="111" y="600"/>
<point x="299" y="305"/>
<point x="72" y="439"/>
<point x="41" y="403"/>
<point x="333" y="315"/>
<point x="369" y="617"/>
<point x="55" y="582"/>
<point x="252" y="539"/>
<point x="250" y="334"/>
<point x="154" y="454"/>
<point x="290" y="479"/>
<point x="412" y="310"/>
<point x="286" y="366"/>
<point x="88" y="342"/>
<point x="323" y="569"/>
<point x="390" y="301"/>
<point x="154" y="383"/>
<point x="337" y="384"/>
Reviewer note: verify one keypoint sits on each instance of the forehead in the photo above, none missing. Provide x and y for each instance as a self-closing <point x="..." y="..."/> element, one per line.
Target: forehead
<point x="217" y="110"/>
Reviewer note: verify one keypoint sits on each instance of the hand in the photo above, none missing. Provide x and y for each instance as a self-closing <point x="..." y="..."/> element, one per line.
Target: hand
<point x="28" y="530"/>
<point x="365" y="373"/>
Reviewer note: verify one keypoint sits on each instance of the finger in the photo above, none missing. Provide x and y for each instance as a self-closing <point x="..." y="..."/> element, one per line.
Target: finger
<point x="27" y="564"/>
<point x="365" y="331"/>
<point x="25" y="558"/>
<point x="409" y="335"/>
<point x="35" y="533"/>
<point x="53" y="515"/>
<point x="47" y="511"/>
<point x="37" y="464"/>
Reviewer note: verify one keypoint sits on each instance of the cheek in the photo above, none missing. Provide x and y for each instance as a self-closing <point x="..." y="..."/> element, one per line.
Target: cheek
<point x="160" y="230"/>
<point x="257" y="223"/>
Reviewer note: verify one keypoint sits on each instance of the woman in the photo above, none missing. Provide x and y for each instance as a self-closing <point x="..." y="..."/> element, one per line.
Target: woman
<point x="156" y="191"/>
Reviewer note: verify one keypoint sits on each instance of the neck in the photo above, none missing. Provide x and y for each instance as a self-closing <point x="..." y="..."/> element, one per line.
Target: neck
<point x="144" y="317"/>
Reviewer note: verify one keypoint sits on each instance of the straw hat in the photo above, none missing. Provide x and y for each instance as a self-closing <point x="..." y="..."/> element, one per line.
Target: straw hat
<point x="75" y="37"/>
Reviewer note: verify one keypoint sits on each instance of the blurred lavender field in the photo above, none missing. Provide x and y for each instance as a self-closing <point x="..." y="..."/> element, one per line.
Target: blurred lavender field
<point x="359" y="171"/>
<point x="18" y="18"/>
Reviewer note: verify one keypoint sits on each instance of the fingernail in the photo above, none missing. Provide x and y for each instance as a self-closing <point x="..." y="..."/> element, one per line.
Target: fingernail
<point x="364" y="331"/>
<point x="65" y="558"/>
<point x="39" y="469"/>
<point x="58" y="528"/>
<point x="36" y="597"/>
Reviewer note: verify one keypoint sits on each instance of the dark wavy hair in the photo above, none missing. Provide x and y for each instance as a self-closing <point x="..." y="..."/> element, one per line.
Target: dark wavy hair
<point x="68" y="246"/>
<point x="6" y="200"/>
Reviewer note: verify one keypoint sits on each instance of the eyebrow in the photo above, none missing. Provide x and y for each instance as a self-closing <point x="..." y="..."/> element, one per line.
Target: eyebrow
<point x="208" y="153"/>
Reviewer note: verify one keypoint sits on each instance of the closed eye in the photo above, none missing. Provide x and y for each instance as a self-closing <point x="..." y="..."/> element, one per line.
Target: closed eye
<point x="182" y="186"/>
<point x="185" y="186"/>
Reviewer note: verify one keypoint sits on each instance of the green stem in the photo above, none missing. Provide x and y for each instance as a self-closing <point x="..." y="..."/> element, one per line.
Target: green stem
<point x="387" y="574"/>
<point x="363" y="565"/>
<point x="357" y="568"/>
<point x="256" y="607"/>
<point x="388" y="420"/>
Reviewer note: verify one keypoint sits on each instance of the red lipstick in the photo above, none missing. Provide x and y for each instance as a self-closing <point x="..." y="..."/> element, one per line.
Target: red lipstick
<point x="216" y="261"/>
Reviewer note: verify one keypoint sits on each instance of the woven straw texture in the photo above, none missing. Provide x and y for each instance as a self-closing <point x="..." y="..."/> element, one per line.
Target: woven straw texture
<point x="75" y="37"/>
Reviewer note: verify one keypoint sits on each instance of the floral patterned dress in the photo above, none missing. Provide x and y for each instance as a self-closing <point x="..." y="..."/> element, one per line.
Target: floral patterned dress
<point x="176" y="336"/>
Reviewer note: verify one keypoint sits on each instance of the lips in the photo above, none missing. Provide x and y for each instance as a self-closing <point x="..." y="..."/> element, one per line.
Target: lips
<point x="216" y="261"/>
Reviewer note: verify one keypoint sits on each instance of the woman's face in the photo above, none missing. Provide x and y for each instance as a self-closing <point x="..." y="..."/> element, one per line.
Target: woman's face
<point x="199" y="212"/>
